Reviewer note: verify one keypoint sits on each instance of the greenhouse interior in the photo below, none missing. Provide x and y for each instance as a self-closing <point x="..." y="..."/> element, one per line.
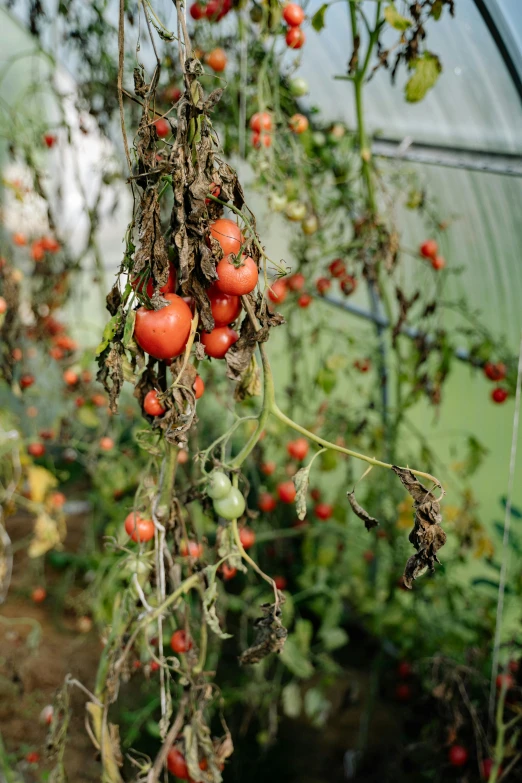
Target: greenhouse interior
<point x="260" y="388"/>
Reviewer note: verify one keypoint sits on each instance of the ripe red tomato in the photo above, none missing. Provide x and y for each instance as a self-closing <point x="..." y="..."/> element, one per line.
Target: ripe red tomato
<point x="429" y="248"/>
<point x="177" y="765"/>
<point x="280" y="582"/>
<point x="267" y="468"/>
<point x="337" y="268"/>
<point x="438" y="263"/>
<point x="267" y="502"/>
<point x="98" y="400"/>
<point x="19" y="239"/>
<point x="162" y="127"/>
<point x="168" y="288"/>
<point x="458" y="755"/>
<point x="404" y="670"/>
<point x="499" y="395"/>
<point x="296" y="282"/>
<point x="348" y="285"/>
<point x="323" y="511"/>
<point x="218" y="341"/>
<point x="236" y="280"/>
<point x="278" y="291"/>
<point x="228" y="572"/>
<point x="217" y="59"/>
<point x="39" y="595"/>
<point x="505" y="680"/>
<point x="50" y="244"/>
<point x="261" y="121"/>
<point x="70" y="377"/>
<point x="33" y="757"/>
<point x="65" y="342"/>
<point x="151" y="404"/>
<point x="403" y="692"/>
<point x="247" y="537"/>
<point x="495" y="372"/>
<point x="293" y="14"/>
<point x="36" y="449"/>
<point x="212" y="9"/>
<point x="106" y="443"/>
<point x="487" y="767"/>
<point x="80" y="402"/>
<point x="286" y="491"/>
<point x="58" y="499"/>
<point x="298" y="449"/>
<point x="214" y="190"/>
<point x="315" y="494"/>
<point x="199" y="387"/>
<point x="139" y="529"/>
<point x="3" y="305"/>
<point x="180" y="642"/>
<point x="49" y="140"/>
<point x="514" y="666"/>
<point x="37" y="251"/>
<point x="262" y="139"/>
<point x="191" y="548"/>
<point x="26" y="380"/>
<point x="154" y="666"/>
<point x="163" y="333"/>
<point x="295" y="38"/>
<point x="304" y="301"/>
<point x="298" y="123"/>
<point x="197" y="11"/>
<point x="228" y="234"/>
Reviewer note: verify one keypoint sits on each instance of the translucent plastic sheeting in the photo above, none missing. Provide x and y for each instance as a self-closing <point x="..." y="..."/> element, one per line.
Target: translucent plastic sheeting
<point x="474" y="104"/>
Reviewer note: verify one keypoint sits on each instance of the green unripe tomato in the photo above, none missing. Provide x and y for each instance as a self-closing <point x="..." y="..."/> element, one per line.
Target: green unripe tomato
<point x="310" y="225"/>
<point x="319" y="139"/>
<point x="232" y="506"/>
<point x="277" y="202"/>
<point x="291" y="188"/>
<point x="299" y="86"/>
<point x="296" y="211"/>
<point x="219" y="485"/>
<point x="256" y="13"/>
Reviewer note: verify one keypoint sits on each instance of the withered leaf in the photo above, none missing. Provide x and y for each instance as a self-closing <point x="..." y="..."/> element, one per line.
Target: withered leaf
<point x="270" y="636"/>
<point x="359" y="511"/>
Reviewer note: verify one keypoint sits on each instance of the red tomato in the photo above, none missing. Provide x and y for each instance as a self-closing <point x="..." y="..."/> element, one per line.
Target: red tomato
<point x="58" y="499"/>
<point x="487" y="768"/>
<point x="499" y="395"/>
<point x="280" y="582"/>
<point x="429" y="248"/>
<point x="228" y="234"/>
<point x="33" y="757"/>
<point x="154" y="666"/>
<point x="267" y="502"/>
<point x="286" y="491"/>
<point x="228" y="572"/>
<point x="168" y="288"/>
<point x="19" y="239"/>
<point x="323" y="285"/>
<point x="267" y="468"/>
<point x="295" y="38"/>
<point x="177" y="765"/>
<point x="212" y="9"/>
<point x="261" y="139"/>
<point x="36" y="449"/>
<point x="293" y="14"/>
<point x="50" y="244"/>
<point x="191" y="548"/>
<point x="404" y="670"/>
<point x="337" y="268"/>
<point x="70" y="377"/>
<point x="495" y="372"/>
<point x="296" y="282"/>
<point x="39" y="595"/>
<point x="217" y="59"/>
<point x="218" y="341"/>
<point x="163" y="333"/>
<point x="304" y="301"/>
<point x="98" y="400"/>
<point x="348" y="285"/>
<point x="180" y="642"/>
<point x="458" y="756"/>
<point x="363" y="365"/>
<point x="236" y="280"/>
<point x="37" y="251"/>
<point x="323" y="511"/>
<point x="247" y="537"/>
<point x="139" y="529"/>
<point x="183" y="456"/>
<point x="368" y="556"/>
<point x="26" y="380"/>
<point x="315" y="494"/>
<point x="403" y="692"/>
<point x="505" y="680"/>
<point x="151" y="404"/>
<point x="261" y="121"/>
<point x="439" y="262"/>
<point x="214" y="190"/>
<point x="298" y="123"/>
<point x="106" y="443"/>
<point x="199" y="387"/>
<point x="46" y="434"/>
<point x="197" y="11"/>
<point x="162" y="127"/>
<point x="49" y="140"/>
<point x="80" y="402"/>
<point x="278" y="291"/>
<point x="298" y="449"/>
<point x="3" y="305"/>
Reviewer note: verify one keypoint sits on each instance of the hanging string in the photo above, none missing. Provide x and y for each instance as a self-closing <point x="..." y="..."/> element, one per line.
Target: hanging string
<point x="505" y="543"/>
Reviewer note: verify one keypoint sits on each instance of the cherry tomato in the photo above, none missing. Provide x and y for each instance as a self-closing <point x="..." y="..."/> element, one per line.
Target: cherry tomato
<point x="154" y="666"/>
<point x="298" y="123"/>
<point x="70" y="377"/>
<point x="363" y="365"/>
<point x="49" y="140"/>
<point x="37" y="251"/>
<point x="180" y="642"/>
<point x="36" y="449"/>
<point x="228" y="234"/>
<point x="315" y="494"/>
<point x="247" y="537"/>
<point x="168" y="288"/>
<point x="162" y="127"/>
<point x="197" y="11"/>
<point x="50" y="244"/>
<point x="267" y="502"/>
<point x="214" y="190"/>
<point x="403" y="692"/>
<point x="295" y="38"/>
<point x="99" y="400"/>
<point x="39" y="595"/>
<point x="296" y="282"/>
<point x="438" y="263"/>
<point x="293" y="14"/>
<point x="304" y="301"/>
<point x="337" y="268"/>
<point x="163" y="333"/>
<point x="236" y="278"/>
<point x="299" y="87"/>
<point x="404" y="670"/>
<point x="261" y="121"/>
<point x="286" y="491"/>
<point x="177" y="765"/>
<point x="323" y="511"/>
<point x="298" y="449"/>
<point x="262" y="139"/>
<point x="295" y="211"/>
<point x="26" y="381"/>
<point x="19" y="239"/>
<point x="219" y="485"/>
<point x="46" y="715"/>
<point x="429" y="248"/>
<point x="278" y="291"/>
<point x="323" y="285"/>
<point x="58" y="499"/>
<point x="228" y="572"/>
<point x="139" y="529"/>
<point x="499" y="395"/>
<point x="217" y="60"/>
<point x="267" y="468"/>
<point x="458" y="755"/>
<point x="80" y="402"/>
<point x="348" y="284"/>
<point x="232" y="506"/>
<point x="183" y="456"/>
<point x="151" y="404"/>
<point x="106" y="443"/>
<point x="280" y="582"/>
<point x="191" y="549"/>
<point x="33" y="757"/>
<point x="3" y="305"/>
<point x="199" y="387"/>
<point x="505" y="680"/>
<point x="212" y="9"/>
<point x="487" y="768"/>
<point x="495" y="372"/>
<point x="218" y="341"/>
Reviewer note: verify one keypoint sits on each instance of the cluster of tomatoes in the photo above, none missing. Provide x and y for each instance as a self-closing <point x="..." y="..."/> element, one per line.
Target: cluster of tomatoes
<point x="177" y="765"/>
<point x="279" y="290"/>
<point x="337" y="269"/>
<point x="430" y="250"/>
<point x="294" y="16"/>
<point x="39" y="247"/>
<point x="496" y="372"/>
<point x="214" y="10"/>
<point x="261" y="125"/>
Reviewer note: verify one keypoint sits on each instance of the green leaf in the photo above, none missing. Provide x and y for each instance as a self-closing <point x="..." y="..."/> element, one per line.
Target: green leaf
<point x="395" y="20"/>
<point x="333" y="638"/>
<point x="436" y="9"/>
<point x="318" y="20"/>
<point x="108" y="333"/>
<point x="149" y="441"/>
<point x="294" y="660"/>
<point x="129" y="329"/>
<point x="427" y="70"/>
<point x="292" y="702"/>
<point x="326" y="379"/>
<point x="209" y="604"/>
<point x="303" y="632"/>
<point x="88" y="418"/>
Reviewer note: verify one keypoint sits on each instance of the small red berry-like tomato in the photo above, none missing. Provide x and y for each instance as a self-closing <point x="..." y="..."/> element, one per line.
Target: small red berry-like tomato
<point x="458" y="755"/>
<point x="268" y="468"/>
<point x="139" y="529"/>
<point x="168" y="288"/>
<point x="297" y="449"/>
<point x="296" y="282"/>
<point x="154" y="666"/>
<point x="438" y="263"/>
<point x="197" y="11"/>
<point x="106" y="443"/>
<point x="495" y="371"/>
<point x="228" y="234"/>
<point x="337" y="268"/>
<point x="70" y="377"/>
<point x="214" y="190"/>
<point x="26" y="381"/>
<point x="315" y="494"/>
<point x="247" y="537"/>
<point x="499" y="395"/>
<point x="217" y="59"/>
<point x="429" y="248"/>
<point x="199" y="387"/>
<point x="58" y="499"/>
<point x="180" y="642"/>
<point x="293" y="14"/>
<point x="363" y="365"/>
<point x="280" y="582"/>
<point x="262" y="139"/>
<point x="278" y="291"/>
<point x="236" y="278"/>
<point x="295" y="38"/>
<point x="267" y="502"/>
<point x="151" y="404"/>
<point x="505" y="681"/>
<point x="162" y="127"/>
<point x="228" y="572"/>
<point x="191" y="549"/>
<point x="404" y="669"/>
<point x="261" y="121"/>
<point x="50" y="244"/>
<point x="33" y="757"/>
<point x="212" y="9"/>
<point x="487" y="768"/>
<point x="304" y="301"/>
<point x="177" y="765"/>
<point x="403" y="692"/>
<point x="19" y="239"/>
<point x="39" y="595"/>
<point x="36" y="449"/>
<point x="218" y="341"/>
<point x="298" y="123"/>
<point x="163" y="333"/>
<point x="348" y="284"/>
<point x="286" y="491"/>
<point x="323" y="511"/>
<point x="49" y="140"/>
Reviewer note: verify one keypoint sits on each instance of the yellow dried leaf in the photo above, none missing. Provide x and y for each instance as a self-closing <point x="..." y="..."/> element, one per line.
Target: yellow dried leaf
<point x="48" y="533"/>
<point x="483" y="547"/>
<point x="40" y="482"/>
